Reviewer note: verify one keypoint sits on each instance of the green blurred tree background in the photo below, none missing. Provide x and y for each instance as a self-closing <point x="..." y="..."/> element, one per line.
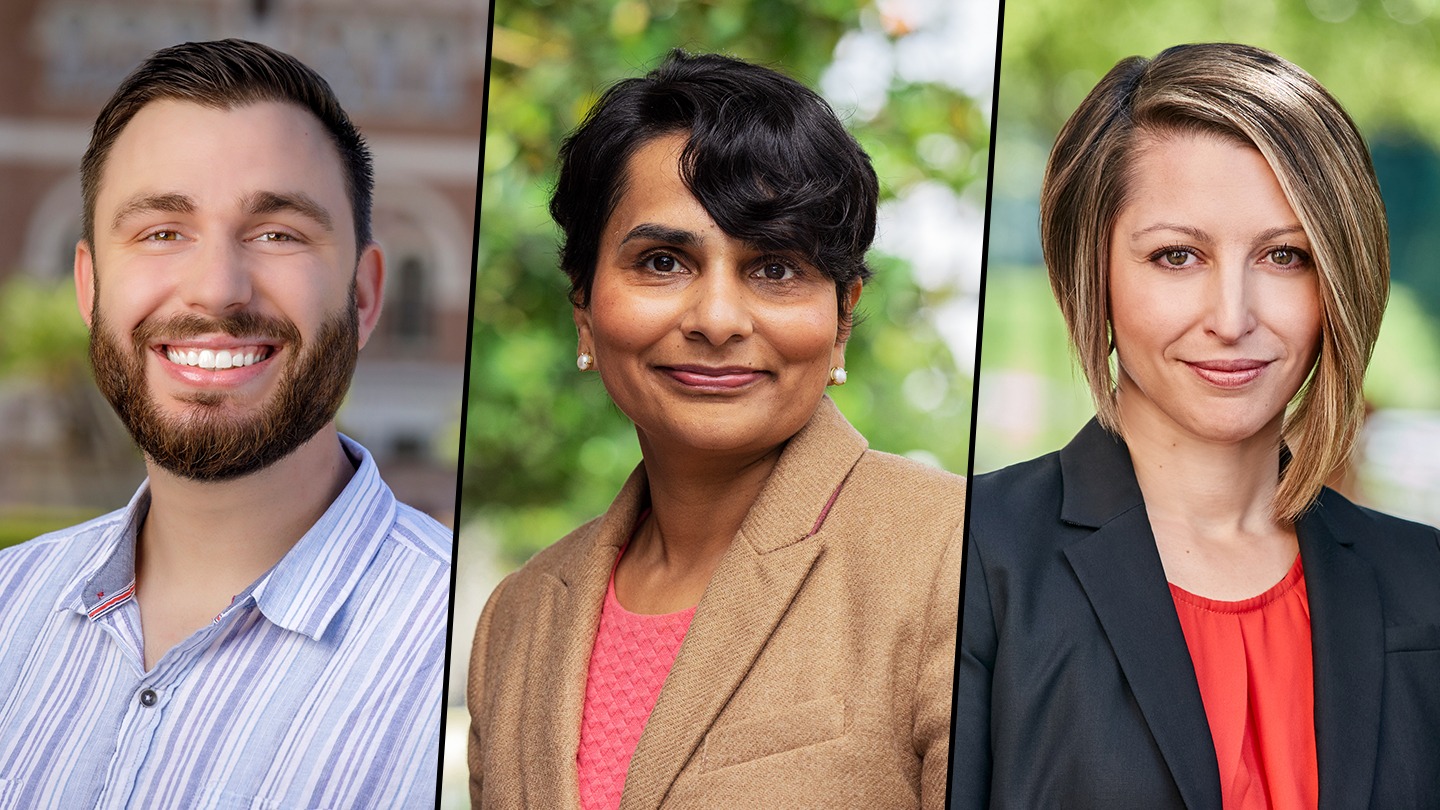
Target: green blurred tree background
<point x="545" y="450"/>
<point x="1378" y="57"/>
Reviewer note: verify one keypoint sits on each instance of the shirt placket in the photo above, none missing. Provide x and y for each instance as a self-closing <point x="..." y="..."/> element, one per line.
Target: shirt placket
<point x="155" y="709"/>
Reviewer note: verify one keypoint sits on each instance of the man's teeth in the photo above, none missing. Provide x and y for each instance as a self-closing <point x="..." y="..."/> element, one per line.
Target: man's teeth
<point x="224" y="358"/>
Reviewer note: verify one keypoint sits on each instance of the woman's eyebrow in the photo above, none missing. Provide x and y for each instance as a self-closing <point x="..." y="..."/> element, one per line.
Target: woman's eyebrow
<point x="1275" y="233"/>
<point x="661" y="233"/>
<point x="1189" y="230"/>
<point x="1200" y="234"/>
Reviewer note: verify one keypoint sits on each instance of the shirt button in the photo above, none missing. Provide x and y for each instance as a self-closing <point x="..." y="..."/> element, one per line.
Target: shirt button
<point x="148" y="698"/>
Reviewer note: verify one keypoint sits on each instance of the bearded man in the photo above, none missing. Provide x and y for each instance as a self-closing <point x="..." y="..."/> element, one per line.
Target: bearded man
<point x="263" y="625"/>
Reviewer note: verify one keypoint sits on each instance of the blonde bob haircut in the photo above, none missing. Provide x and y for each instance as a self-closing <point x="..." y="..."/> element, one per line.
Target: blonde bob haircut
<point x="1255" y="98"/>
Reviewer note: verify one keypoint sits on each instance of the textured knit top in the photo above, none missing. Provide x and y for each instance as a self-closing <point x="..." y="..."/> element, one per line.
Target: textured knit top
<point x="1253" y="660"/>
<point x="632" y="656"/>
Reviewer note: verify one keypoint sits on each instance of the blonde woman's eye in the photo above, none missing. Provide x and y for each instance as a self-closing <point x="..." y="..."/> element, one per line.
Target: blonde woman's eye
<point x="1173" y="257"/>
<point x="1287" y="257"/>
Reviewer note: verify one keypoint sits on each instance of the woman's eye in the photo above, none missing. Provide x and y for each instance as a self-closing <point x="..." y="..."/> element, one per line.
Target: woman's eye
<point x="1175" y="258"/>
<point x="1287" y="257"/>
<point x="776" y="271"/>
<point x="661" y="263"/>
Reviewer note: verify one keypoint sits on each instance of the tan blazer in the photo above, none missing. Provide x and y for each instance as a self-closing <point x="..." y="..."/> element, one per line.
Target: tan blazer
<point x="817" y="671"/>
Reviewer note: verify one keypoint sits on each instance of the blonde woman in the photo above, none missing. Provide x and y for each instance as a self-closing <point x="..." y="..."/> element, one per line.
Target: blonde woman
<point x="1172" y="611"/>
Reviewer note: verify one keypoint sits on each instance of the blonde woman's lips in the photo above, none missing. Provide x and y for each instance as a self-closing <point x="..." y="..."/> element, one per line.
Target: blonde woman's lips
<point x="1228" y="373"/>
<point x="715" y="378"/>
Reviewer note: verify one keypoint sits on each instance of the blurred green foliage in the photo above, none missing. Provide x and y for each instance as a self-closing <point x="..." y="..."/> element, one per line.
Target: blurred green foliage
<point x="545" y="449"/>
<point x="1378" y="58"/>
<point x="44" y="340"/>
<point x="44" y="337"/>
<point x="17" y="526"/>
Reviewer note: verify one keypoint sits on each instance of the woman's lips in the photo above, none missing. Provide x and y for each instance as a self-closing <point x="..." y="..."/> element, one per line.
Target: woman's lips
<point x="1228" y="373"/>
<point x="713" y="377"/>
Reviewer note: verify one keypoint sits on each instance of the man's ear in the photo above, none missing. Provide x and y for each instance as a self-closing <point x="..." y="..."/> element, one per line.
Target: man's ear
<point x="85" y="282"/>
<point x="369" y="289"/>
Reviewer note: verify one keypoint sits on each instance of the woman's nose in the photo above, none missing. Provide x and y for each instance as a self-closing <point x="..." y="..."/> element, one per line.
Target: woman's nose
<point x="718" y="309"/>
<point x="1230" y="313"/>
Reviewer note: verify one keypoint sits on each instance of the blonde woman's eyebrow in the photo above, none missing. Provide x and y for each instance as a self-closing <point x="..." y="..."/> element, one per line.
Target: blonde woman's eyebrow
<point x="1189" y="230"/>
<point x="1201" y="234"/>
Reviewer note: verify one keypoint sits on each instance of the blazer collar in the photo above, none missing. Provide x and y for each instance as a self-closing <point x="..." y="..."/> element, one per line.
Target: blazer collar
<point x="565" y="625"/>
<point x="1348" y="641"/>
<point x="1120" y="571"/>
<point x="1098" y="479"/>
<point x="754" y="584"/>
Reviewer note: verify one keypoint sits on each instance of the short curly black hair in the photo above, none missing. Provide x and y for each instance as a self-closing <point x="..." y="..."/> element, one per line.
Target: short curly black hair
<point x="765" y="156"/>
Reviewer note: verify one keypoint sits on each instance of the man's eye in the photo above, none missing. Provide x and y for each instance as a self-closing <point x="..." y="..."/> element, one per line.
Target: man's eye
<point x="163" y="236"/>
<point x="274" y="236"/>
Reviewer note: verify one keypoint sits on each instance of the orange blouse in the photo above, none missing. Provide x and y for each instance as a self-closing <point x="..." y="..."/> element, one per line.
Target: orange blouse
<point x="1253" y="661"/>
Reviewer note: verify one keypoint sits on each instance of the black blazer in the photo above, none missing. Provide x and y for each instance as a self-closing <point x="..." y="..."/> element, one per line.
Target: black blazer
<point x="1075" y="688"/>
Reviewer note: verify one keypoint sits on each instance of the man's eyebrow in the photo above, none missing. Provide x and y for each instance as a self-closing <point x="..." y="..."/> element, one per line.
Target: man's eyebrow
<point x="172" y="203"/>
<point x="271" y="202"/>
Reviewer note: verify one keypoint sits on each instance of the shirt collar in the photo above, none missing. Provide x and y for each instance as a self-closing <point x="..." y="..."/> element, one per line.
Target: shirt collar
<point x="302" y="593"/>
<point x="106" y="576"/>
<point x="306" y="589"/>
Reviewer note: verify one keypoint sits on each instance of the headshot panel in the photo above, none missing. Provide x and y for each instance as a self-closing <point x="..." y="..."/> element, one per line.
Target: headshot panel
<point x="1187" y="605"/>
<point x="231" y="260"/>
<point x="412" y="84"/>
<point x="757" y="267"/>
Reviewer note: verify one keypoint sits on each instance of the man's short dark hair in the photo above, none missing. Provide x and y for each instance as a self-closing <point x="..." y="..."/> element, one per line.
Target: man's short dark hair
<point x="223" y="75"/>
<point x="766" y="157"/>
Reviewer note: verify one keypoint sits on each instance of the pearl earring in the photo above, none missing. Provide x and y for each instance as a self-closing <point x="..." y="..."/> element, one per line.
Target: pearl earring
<point x="837" y="375"/>
<point x="584" y="362"/>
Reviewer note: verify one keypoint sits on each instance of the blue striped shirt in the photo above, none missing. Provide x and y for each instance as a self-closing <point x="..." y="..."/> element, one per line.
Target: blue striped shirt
<point x="318" y="687"/>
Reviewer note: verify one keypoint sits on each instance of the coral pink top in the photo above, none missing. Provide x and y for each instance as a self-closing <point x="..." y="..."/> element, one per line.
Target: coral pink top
<point x="1253" y="661"/>
<point x="632" y="656"/>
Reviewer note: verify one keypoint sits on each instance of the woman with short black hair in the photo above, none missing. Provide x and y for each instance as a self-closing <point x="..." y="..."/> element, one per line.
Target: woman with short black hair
<point x="766" y="614"/>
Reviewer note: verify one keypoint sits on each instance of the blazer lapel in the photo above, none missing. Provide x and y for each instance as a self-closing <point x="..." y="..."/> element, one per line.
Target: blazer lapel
<point x="1120" y="571"/>
<point x="1348" y="640"/>
<point x="756" y="581"/>
<point x="565" y="636"/>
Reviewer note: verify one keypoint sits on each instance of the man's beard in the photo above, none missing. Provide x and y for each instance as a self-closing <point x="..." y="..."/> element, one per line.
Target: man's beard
<point x="207" y="443"/>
